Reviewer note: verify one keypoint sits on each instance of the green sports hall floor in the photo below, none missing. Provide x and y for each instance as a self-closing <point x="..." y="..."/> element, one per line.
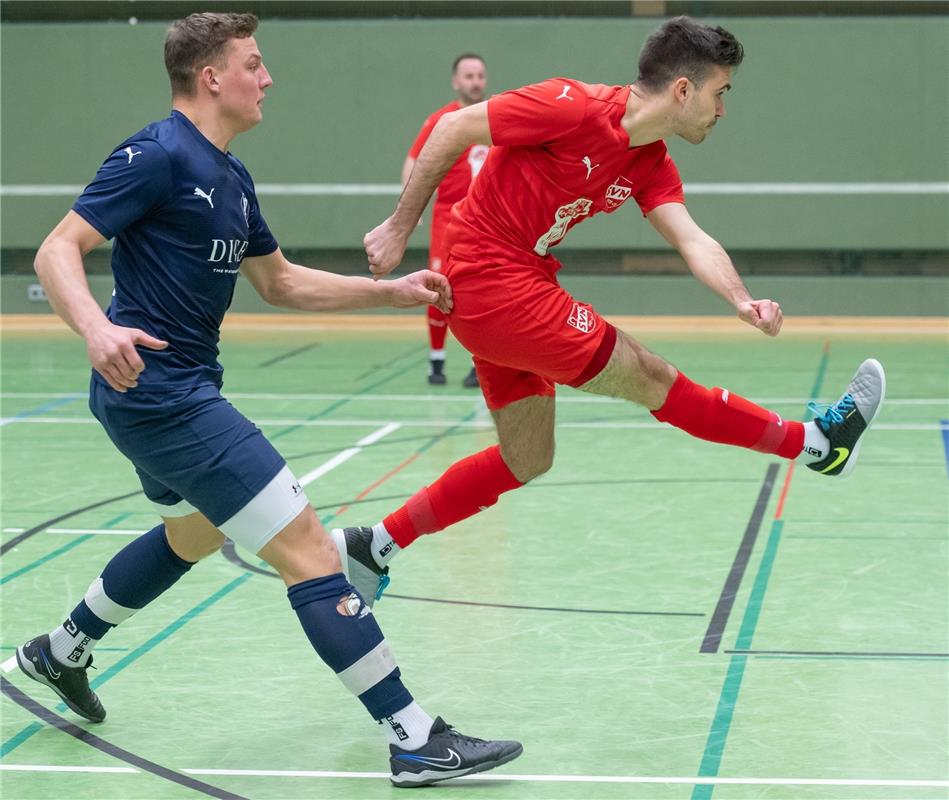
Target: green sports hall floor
<point x="657" y="617"/>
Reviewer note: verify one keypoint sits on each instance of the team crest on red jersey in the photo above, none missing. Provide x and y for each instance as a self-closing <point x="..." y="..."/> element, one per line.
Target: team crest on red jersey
<point x="582" y="319"/>
<point x="618" y="192"/>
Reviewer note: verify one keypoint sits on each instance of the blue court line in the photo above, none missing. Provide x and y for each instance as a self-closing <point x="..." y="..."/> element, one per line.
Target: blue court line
<point x="137" y="653"/>
<point x="15" y="741"/>
<point x="64" y="549"/>
<point x="428" y="445"/>
<point x="715" y="745"/>
<point x="944" y="427"/>
<point x="48" y="557"/>
<point x="721" y="723"/>
<point x="39" y="410"/>
<point x="342" y="401"/>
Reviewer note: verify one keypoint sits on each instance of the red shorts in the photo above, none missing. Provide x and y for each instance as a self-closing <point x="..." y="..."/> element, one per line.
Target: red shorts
<point x="525" y="331"/>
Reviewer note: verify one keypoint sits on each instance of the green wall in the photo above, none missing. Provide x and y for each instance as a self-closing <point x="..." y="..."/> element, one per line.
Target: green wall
<point x="826" y="295"/>
<point x="817" y="100"/>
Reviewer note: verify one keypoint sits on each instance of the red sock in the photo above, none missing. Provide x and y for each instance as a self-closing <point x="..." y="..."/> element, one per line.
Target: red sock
<point x="437" y="328"/>
<point x="467" y="487"/>
<point x="719" y="416"/>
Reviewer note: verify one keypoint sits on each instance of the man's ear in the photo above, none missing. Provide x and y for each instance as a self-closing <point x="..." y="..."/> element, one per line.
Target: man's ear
<point x="208" y="78"/>
<point x="681" y="89"/>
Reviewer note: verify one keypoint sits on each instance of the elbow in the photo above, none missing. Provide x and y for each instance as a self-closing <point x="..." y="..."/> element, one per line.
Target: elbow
<point x="276" y="292"/>
<point x="43" y="257"/>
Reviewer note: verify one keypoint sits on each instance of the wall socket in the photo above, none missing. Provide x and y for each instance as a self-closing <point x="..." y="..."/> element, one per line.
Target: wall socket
<point x="35" y="293"/>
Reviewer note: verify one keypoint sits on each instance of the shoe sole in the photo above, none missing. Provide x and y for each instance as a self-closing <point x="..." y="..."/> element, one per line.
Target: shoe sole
<point x="412" y="779"/>
<point x="339" y="539"/>
<point x="852" y="461"/>
<point x="26" y="667"/>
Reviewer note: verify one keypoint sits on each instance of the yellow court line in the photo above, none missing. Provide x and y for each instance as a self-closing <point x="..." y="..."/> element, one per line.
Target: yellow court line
<point x="654" y="324"/>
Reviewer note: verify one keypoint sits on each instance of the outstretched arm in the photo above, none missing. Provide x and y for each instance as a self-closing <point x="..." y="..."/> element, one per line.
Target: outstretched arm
<point x="709" y="262"/>
<point x="454" y="132"/>
<point x="111" y="348"/>
<point x="282" y="283"/>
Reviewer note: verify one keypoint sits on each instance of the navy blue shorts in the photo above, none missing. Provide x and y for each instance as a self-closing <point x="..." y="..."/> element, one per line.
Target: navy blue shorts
<point x="193" y="451"/>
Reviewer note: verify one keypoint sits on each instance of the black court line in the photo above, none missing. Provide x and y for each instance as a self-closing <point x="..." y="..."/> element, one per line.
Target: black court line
<point x="230" y="553"/>
<point x="713" y="636"/>
<point x="289" y="354"/>
<point x="51" y="718"/>
<point x="839" y="653"/>
<point x="43" y="525"/>
<point x="547" y="608"/>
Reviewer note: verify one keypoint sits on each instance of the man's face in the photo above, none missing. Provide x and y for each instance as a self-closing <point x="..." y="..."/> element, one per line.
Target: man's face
<point x="242" y="80"/>
<point x="469" y="81"/>
<point x="702" y="108"/>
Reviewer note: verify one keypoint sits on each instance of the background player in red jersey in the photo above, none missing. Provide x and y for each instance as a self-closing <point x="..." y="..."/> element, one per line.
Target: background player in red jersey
<point x="468" y="80"/>
<point x="564" y="151"/>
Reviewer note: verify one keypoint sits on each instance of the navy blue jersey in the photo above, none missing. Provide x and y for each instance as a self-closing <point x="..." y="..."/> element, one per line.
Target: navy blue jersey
<point x="183" y="215"/>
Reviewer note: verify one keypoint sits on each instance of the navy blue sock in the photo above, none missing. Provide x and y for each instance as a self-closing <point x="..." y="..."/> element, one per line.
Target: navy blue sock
<point x="344" y="633"/>
<point x="135" y="576"/>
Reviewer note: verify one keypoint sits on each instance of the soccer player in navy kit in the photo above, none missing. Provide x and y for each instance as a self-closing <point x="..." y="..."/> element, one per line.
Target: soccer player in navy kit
<point x="185" y="220"/>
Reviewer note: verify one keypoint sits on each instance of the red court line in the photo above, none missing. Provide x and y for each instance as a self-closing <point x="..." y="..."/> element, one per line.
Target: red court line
<point x="784" y="491"/>
<point x="378" y="483"/>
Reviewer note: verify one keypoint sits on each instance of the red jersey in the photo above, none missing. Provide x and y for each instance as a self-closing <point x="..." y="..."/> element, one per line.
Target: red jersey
<point x="455" y="184"/>
<point x="560" y="155"/>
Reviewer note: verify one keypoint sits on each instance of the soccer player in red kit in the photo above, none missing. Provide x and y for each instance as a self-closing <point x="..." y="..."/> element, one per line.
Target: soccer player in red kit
<point x="563" y="151"/>
<point x="468" y="80"/>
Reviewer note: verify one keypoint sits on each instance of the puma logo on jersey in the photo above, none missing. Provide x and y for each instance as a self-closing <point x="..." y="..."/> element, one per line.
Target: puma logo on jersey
<point x="589" y="165"/>
<point x="199" y="192"/>
<point x="131" y="154"/>
<point x="563" y="95"/>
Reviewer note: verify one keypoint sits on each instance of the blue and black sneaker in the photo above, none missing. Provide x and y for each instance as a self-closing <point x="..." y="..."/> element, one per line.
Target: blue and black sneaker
<point x="36" y="660"/>
<point x="845" y="422"/>
<point x="448" y="754"/>
<point x="361" y="570"/>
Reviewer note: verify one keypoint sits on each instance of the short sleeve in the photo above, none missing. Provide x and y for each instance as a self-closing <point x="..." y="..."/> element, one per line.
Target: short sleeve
<point x="539" y="114"/>
<point x="427" y="127"/>
<point x="260" y="241"/>
<point x="662" y="186"/>
<point x="131" y="183"/>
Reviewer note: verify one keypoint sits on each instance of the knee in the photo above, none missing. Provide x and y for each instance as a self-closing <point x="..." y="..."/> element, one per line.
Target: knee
<point x="527" y="465"/>
<point x="301" y="551"/>
<point x="193" y="540"/>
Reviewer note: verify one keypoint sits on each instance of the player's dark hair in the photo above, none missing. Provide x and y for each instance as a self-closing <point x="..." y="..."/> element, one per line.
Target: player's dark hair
<point x="198" y="40"/>
<point x="683" y="47"/>
<point x="462" y="57"/>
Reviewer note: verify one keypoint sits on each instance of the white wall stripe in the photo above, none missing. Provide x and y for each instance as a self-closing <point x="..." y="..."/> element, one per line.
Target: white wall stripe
<point x="395" y="189"/>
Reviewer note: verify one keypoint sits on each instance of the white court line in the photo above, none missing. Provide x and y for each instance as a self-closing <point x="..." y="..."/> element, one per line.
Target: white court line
<point x="395" y="189"/>
<point x="50" y="768"/>
<point x="348" y="453"/>
<point x="422" y="423"/>
<point x="9" y="665"/>
<point x="500" y="776"/>
<point x="311" y="476"/>
<point x="83" y="531"/>
<point x="387" y="398"/>
<point x="481" y="776"/>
